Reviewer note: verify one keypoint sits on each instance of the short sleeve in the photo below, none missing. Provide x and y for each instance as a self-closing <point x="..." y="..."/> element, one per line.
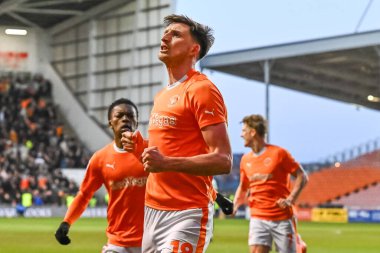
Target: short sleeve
<point x="206" y="103"/>
<point x="288" y="162"/>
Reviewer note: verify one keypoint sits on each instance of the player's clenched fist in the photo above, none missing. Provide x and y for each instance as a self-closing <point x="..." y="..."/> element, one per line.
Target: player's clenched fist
<point x="61" y="233"/>
<point x="284" y="203"/>
<point x="152" y="160"/>
<point x="133" y="142"/>
<point x="128" y="140"/>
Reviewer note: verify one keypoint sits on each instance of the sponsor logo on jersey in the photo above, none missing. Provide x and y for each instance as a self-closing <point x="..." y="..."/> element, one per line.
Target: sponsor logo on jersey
<point x="260" y="177"/>
<point x="162" y="120"/>
<point x="128" y="182"/>
<point x="109" y="165"/>
<point x="211" y="112"/>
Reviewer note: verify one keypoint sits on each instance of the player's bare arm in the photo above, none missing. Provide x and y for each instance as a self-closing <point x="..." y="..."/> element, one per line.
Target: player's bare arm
<point x="299" y="183"/>
<point x="240" y="195"/>
<point x="217" y="161"/>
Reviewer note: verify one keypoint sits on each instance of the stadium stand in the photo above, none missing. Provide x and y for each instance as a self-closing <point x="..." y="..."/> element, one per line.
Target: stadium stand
<point x="327" y="185"/>
<point x="229" y="182"/>
<point x="33" y="143"/>
<point x="371" y="159"/>
<point x="351" y="184"/>
<point x="368" y="198"/>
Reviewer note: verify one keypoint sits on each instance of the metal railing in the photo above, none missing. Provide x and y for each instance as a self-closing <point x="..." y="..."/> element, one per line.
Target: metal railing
<point x="344" y="156"/>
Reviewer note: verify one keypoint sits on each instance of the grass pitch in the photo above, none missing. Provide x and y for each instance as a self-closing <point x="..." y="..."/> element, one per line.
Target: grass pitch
<point x="19" y="235"/>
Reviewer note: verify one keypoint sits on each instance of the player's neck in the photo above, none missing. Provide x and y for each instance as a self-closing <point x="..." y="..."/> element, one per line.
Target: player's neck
<point x="118" y="143"/>
<point x="258" y="146"/>
<point x="175" y="73"/>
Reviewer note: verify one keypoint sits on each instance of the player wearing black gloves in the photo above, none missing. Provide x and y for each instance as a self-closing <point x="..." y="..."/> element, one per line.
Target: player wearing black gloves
<point x="61" y="233"/>
<point x="225" y="204"/>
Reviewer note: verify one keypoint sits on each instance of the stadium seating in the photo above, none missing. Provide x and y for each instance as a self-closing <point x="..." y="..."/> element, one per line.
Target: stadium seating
<point x="327" y="185"/>
<point x="371" y="159"/>
<point x="368" y="198"/>
<point x="33" y="143"/>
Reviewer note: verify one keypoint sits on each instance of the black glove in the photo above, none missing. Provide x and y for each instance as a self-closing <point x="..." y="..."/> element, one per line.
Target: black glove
<point x="225" y="204"/>
<point x="61" y="233"/>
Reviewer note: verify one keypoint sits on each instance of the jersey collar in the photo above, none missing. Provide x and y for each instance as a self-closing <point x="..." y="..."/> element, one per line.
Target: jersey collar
<point x="117" y="149"/>
<point x="260" y="152"/>
<point x="184" y="78"/>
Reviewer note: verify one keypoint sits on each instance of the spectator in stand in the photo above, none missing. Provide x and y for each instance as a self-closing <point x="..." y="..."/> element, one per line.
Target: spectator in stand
<point x="29" y="138"/>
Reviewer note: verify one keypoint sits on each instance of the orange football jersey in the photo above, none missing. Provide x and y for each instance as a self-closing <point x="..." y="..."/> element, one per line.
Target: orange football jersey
<point x="124" y="178"/>
<point x="267" y="176"/>
<point x="179" y="113"/>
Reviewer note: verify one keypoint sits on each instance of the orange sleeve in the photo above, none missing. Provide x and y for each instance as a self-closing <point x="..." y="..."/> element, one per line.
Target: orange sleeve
<point x="90" y="184"/>
<point x="207" y="103"/>
<point x="288" y="162"/>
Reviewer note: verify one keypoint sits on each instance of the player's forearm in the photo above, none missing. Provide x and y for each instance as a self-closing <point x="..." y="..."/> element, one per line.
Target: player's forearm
<point x="200" y="165"/>
<point x="240" y="196"/>
<point x="299" y="184"/>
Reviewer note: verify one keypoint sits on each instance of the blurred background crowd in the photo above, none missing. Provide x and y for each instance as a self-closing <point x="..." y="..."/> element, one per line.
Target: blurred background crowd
<point x="34" y="144"/>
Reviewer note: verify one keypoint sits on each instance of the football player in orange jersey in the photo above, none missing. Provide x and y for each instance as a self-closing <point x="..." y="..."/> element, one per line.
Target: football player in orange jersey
<point x="188" y="144"/>
<point x="123" y="176"/>
<point x="265" y="172"/>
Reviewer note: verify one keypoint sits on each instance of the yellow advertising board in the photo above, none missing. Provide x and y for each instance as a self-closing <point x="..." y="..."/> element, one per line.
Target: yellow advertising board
<point x="329" y="215"/>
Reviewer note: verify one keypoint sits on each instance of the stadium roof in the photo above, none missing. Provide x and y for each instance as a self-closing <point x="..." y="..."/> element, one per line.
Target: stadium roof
<point x="344" y="68"/>
<point x="52" y="15"/>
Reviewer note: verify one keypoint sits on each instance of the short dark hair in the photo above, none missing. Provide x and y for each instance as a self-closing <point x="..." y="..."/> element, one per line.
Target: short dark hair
<point x="119" y="102"/>
<point x="257" y="122"/>
<point x="201" y="33"/>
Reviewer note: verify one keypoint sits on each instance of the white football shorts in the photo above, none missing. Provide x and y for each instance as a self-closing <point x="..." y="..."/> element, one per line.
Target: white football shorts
<point x="185" y="231"/>
<point x="110" y="248"/>
<point x="264" y="232"/>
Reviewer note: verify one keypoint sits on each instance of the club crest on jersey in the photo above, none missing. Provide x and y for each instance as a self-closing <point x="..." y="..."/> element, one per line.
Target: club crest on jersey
<point x="173" y="100"/>
<point x="267" y="161"/>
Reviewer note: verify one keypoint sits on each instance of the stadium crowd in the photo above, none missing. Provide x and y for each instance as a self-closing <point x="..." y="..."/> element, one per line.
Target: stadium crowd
<point x="33" y="144"/>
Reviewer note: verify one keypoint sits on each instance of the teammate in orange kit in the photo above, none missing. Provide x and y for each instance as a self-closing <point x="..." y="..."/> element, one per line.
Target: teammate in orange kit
<point x="124" y="178"/>
<point x="265" y="173"/>
<point x="188" y="144"/>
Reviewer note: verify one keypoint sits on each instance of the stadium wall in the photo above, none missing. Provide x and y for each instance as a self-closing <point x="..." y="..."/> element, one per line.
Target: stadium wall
<point x="30" y="53"/>
<point x="24" y="53"/>
<point x="114" y="55"/>
<point x="77" y="174"/>
<point x="87" y="130"/>
<point x="49" y="211"/>
<point x="94" y="62"/>
<point x="354" y="215"/>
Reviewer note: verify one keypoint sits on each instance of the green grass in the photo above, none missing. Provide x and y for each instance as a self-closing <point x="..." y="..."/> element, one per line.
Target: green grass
<point x="88" y="235"/>
<point x="232" y="236"/>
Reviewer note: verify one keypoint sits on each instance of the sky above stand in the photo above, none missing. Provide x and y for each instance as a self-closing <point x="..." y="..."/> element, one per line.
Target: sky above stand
<point x="310" y="127"/>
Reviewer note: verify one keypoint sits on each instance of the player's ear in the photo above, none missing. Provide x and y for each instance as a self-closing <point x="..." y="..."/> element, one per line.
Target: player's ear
<point x="195" y="49"/>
